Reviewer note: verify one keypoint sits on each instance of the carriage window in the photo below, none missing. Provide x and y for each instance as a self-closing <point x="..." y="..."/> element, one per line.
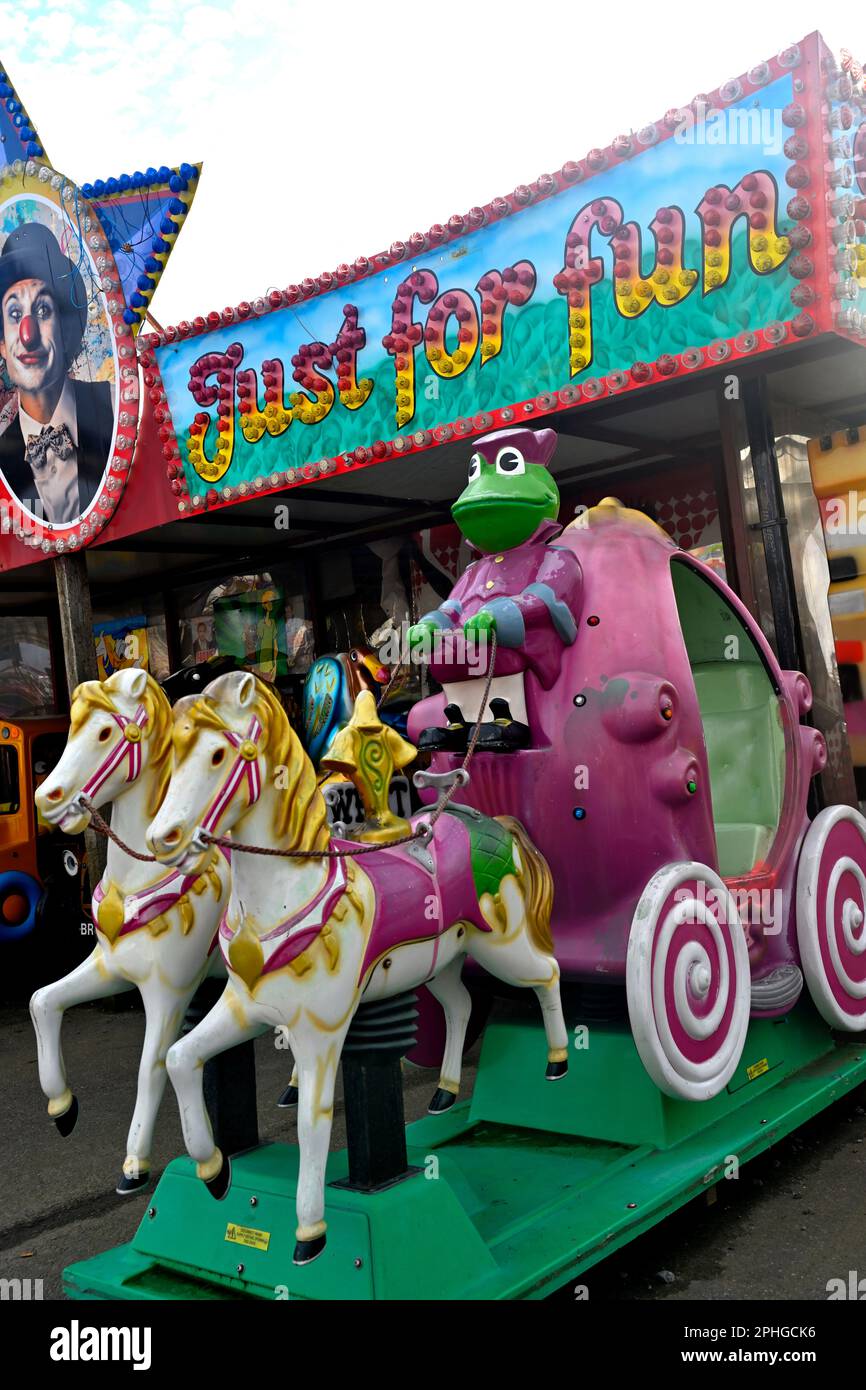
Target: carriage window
<point x="741" y="718"/>
<point x="10" y="795"/>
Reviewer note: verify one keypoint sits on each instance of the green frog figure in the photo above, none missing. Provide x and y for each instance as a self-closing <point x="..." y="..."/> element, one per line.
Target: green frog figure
<point x="521" y="586"/>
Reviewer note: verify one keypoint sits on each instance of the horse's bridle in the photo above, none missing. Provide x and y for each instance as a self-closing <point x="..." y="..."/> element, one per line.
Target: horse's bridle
<point x="244" y="768"/>
<point x="128" y="747"/>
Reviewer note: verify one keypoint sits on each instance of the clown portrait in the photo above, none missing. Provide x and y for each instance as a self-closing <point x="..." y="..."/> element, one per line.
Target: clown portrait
<point x="58" y="425"/>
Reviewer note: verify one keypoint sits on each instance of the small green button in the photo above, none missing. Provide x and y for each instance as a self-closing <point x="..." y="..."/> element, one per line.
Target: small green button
<point x="691" y="787"/>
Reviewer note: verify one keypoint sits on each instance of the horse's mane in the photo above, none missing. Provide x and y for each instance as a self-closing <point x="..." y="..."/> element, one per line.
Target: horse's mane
<point x="301" y="820"/>
<point x="93" y="695"/>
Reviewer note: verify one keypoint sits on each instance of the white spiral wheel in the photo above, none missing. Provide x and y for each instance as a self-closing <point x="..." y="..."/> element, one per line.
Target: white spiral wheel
<point x="688" y="982"/>
<point x="831" y="904"/>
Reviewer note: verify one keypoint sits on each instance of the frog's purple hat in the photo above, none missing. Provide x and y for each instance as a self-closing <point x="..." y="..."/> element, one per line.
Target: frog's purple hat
<point x="536" y="446"/>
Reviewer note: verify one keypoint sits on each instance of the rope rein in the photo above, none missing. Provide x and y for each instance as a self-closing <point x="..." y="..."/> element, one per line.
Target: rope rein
<point x="103" y="828"/>
<point x="422" y="833"/>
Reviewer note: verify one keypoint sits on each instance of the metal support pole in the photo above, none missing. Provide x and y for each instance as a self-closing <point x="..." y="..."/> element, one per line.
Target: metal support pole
<point x="733" y="522"/>
<point x="773" y="524"/>
<point x="79" y="653"/>
<point x="380" y="1035"/>
<point x="803" y="636"/>
<point x="229" y="1081"/>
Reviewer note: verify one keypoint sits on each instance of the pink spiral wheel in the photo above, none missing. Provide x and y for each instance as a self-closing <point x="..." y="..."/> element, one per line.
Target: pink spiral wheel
<point x="687" y="980"/>
<point x="831" y="903"/>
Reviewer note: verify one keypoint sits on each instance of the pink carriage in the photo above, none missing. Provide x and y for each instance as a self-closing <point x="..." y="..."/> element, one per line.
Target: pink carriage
<point x="667" y="785"/>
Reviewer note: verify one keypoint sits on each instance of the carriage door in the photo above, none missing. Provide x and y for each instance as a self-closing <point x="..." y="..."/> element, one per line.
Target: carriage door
<point x="742" y="721"/>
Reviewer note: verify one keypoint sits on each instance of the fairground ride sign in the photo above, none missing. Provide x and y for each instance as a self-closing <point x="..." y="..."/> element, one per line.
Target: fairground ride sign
<point x="727" y="229"/>
<point x="730" y="229"/>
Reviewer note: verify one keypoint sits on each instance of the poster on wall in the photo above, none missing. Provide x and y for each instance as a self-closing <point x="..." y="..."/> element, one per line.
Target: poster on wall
<point x="251" y="628"/>
<point x="61" y="342"/>
<point x="299" y="636"/>
<point x="198" y="640"/>
<point x="121" y="642"/>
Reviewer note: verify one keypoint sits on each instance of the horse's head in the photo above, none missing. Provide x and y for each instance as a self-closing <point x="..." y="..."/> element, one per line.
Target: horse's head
<point x="234" y="747"/>
<point x="117" y="729"/>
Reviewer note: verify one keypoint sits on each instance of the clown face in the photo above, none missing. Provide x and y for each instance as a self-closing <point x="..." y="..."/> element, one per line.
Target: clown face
<point x="32" y="345"/>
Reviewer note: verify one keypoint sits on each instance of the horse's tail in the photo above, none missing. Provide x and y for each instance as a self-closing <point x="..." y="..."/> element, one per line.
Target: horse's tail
<point x="536" y="880"/>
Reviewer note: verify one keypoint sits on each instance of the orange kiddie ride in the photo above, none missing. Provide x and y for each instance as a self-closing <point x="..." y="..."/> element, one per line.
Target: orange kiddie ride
<point x="43" y="882"/>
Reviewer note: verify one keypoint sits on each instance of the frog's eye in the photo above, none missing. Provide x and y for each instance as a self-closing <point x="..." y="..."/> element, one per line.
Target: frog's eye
<point x="475" y="467"/>
<point x="510" y="461"/>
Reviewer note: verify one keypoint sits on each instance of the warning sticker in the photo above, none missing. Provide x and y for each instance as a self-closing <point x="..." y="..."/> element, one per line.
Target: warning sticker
<point x="247" y="1235"/>
<point x="757" y="1069"/>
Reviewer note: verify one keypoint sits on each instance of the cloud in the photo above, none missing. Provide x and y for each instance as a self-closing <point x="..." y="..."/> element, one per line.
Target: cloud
<point x="329" y="131"/>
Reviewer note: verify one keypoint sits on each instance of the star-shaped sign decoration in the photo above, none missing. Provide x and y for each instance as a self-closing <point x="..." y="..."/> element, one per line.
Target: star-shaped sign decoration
<point x="141" y="213"/>
<point x="18" y="138"/>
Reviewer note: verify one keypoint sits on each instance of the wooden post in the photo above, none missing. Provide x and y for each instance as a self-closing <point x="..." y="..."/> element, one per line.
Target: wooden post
<point x="79" y="654"/>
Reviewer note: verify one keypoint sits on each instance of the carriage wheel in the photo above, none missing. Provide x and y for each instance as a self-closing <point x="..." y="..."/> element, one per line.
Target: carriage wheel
<point x="831" y="902"/>
<point x="687" y="981"/>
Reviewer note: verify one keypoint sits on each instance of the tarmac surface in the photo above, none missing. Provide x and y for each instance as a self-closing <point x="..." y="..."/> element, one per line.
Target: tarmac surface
<point x="794" y="1219"/>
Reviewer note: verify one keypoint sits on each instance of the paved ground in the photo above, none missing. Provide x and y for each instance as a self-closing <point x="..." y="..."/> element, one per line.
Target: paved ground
<point x="794" y="1219"/>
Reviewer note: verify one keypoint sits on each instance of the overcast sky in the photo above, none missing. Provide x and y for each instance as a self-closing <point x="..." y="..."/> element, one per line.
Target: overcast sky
<point x="328" y="130"/>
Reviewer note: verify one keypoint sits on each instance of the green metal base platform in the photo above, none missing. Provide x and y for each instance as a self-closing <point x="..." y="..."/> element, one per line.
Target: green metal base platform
<point x="520" y="1189"/>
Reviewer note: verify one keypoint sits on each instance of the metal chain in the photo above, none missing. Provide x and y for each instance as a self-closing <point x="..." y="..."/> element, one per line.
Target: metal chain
<point x="103" y="828"/>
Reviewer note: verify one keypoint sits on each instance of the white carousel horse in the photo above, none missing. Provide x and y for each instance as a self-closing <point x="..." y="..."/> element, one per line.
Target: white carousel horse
<point x="307" y="940"/>
<point x="156" y="930"/>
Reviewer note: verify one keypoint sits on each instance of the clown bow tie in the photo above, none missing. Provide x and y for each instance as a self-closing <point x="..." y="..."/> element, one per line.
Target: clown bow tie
<point x="58" y="440"/>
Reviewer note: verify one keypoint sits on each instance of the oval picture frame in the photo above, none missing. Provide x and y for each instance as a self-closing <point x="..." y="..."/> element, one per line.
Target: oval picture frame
<point x="41" y="511"/>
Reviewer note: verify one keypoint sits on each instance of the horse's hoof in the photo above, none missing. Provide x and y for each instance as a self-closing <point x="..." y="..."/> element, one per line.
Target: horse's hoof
<point x="219" y="1185"/>
<point x="67" y="1121"/>
<point x="308" y="1250"/>
<point x="556" y="1070"/>
<point x="127" y="1186"/>
<point x="289" y="1099"/>
<point x="442" y="1100"/>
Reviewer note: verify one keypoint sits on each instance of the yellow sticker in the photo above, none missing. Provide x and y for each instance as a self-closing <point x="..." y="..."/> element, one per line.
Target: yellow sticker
<point x="247" y="1235"/>
<point x="757" y="1069"/>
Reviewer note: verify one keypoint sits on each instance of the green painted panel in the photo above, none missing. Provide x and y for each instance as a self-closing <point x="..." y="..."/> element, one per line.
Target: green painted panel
<point x="501" y="1210"/>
